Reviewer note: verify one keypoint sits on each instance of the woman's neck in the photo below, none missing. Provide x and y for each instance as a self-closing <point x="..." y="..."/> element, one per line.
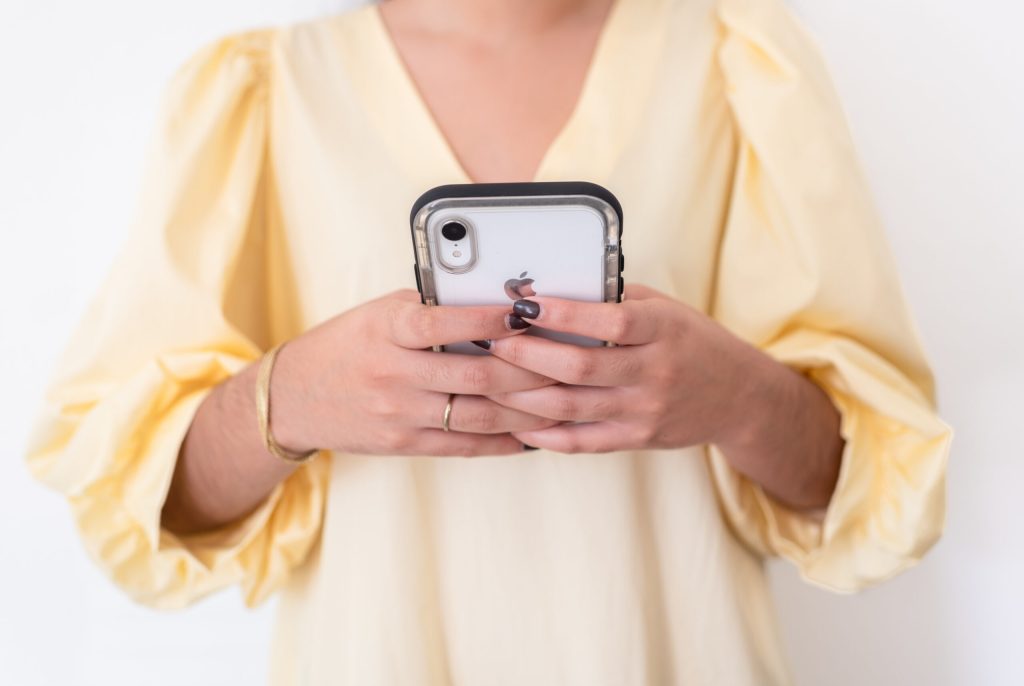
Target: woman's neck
<point x="492" y="21"/>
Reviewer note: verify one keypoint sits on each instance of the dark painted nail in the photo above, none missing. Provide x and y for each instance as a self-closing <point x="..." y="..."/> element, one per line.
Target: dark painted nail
<point x="529" y="447"/>
<point x="526" y="308"/>
<point x="515" y="322"/>
<point x="485" y="344"/>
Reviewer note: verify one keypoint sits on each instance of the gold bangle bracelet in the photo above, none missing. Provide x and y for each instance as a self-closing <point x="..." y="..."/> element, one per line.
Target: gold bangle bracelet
<point x="263" y="410"/>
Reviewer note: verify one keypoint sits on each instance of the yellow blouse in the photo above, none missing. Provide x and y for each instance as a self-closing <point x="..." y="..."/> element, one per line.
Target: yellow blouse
<point x="277" y="194"/>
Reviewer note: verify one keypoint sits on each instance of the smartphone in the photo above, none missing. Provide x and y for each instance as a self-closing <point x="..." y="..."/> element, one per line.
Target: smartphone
<point x="494" y="243"/>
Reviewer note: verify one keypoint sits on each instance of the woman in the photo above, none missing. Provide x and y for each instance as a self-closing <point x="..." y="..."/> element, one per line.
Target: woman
<point x="769" y="394"/>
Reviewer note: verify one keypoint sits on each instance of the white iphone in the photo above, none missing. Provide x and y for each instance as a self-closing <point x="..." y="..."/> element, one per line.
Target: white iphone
<point x="494" y="243"/>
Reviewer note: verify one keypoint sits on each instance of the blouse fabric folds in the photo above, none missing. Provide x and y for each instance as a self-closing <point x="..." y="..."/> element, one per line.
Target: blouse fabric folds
<point x="276" y="195"/>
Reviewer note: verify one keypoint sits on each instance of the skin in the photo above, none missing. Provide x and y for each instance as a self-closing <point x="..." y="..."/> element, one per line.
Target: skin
<point x="494" y="71"/>
<point x="365" y="381"/>
<point x="676" y="378"/>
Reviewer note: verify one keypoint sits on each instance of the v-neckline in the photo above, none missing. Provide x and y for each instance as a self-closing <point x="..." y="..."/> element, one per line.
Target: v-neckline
<point x="591" y="137"/>
<point x="398" y="66"/>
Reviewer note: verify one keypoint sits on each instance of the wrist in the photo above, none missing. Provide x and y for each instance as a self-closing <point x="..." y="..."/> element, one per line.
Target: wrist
<point x="289" y="417"/>
<point x="762" y="389"/>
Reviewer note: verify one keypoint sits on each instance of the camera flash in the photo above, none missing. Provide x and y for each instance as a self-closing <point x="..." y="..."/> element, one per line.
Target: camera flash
<point x="457" y="253"/>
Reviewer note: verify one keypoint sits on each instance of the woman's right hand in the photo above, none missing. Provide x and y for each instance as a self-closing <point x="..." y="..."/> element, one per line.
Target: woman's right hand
<point x="367" y="382"/>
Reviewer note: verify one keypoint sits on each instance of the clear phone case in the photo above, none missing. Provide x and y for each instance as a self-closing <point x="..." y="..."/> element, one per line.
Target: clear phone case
<point x="487" y="244"/>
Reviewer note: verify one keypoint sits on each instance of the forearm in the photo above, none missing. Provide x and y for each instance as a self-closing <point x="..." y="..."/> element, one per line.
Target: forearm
<point x="786" y="436"/>
<point x="223" y="470"/>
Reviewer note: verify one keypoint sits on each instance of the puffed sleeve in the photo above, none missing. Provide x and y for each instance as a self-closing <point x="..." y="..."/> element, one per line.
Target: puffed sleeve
<point x="806" y="275"/>
<point x="184" y="307"/>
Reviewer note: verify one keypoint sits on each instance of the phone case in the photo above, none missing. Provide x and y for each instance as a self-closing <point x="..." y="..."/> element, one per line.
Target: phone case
<point x="560" y="239"/>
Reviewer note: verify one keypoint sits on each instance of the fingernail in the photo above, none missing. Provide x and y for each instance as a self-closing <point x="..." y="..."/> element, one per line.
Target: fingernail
<point x="528" y="447"/>
<point x="515" y="322"/>
<point x="485" y="344"/>
<point x="526" y="308"/>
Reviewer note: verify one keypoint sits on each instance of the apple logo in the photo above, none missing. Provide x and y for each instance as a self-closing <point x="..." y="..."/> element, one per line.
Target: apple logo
<point x="520" y="288"/>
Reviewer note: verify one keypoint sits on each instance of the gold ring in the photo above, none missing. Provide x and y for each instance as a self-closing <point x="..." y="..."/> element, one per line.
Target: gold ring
<point x="447" y="412"/>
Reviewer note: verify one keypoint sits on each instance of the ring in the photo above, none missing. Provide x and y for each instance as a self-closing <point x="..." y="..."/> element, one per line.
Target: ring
<point x="447" y="412"/>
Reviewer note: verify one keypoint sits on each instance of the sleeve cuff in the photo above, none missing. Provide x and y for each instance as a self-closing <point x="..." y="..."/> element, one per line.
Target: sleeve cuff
<point x="888" y="505"/>
<point x="119" y="514"/>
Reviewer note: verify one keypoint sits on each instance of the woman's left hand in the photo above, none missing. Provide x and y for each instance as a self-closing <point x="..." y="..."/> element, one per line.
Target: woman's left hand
<point x="676" y="378"/>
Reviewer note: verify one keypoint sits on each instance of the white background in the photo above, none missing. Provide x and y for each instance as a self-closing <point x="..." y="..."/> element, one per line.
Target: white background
<point x="935" y="94"/>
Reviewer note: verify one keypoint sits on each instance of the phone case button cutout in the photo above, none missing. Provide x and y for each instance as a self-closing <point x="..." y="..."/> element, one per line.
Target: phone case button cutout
<point x="419" y="284"/>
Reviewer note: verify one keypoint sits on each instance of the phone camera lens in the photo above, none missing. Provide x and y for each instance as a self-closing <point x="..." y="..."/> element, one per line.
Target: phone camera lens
<point x="454" y="231"/>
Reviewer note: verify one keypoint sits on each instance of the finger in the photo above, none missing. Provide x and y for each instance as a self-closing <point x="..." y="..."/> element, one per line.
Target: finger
<point x="405" y="294"/>
<point x="437" y="443"/>
<point x="625" y="323"/>
<point x="477" y="415"/>
<point x="598" y="437"/>
<point x="571" y="364"/>
<point x="637" y="291"/>
<point x="567" y="403"/>
<point x="418" y="326"/>
<point x="466" y="374"/>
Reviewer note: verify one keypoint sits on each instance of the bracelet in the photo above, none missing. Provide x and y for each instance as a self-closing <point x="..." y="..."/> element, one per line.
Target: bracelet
<point x="263" y="410"/>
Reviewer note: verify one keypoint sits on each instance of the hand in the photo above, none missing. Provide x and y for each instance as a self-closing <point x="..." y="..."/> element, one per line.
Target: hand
<point x="366" y="382"/>
<point x="676" y="378"/>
